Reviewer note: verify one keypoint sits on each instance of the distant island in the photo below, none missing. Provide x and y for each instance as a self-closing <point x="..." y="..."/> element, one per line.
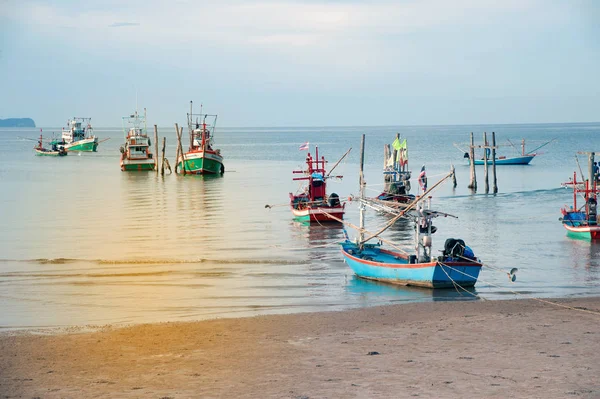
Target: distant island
<point x="17" y="122"/>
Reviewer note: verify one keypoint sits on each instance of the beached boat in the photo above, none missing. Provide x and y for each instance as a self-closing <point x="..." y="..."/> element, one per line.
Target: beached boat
<point x="201" y="158"/>
<point x="583" y="222"/>
<point x="314" y="204"/>
<point x="78" y="136"/>
<point x="456" y="266"/>
<point x="396" y="175"/>
<point x="136" y="154"/>
<point x="55" y="151"/>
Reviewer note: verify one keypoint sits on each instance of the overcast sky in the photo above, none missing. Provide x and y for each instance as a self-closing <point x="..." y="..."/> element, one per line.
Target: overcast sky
<point x="302" y="63"/>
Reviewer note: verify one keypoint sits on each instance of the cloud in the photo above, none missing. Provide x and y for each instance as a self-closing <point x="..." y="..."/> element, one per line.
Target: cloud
<point x="122" y="24"/>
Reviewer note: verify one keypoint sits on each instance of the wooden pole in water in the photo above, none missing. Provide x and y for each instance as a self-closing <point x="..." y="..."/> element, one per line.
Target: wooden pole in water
<point x="494" y="162"/>
<point x="485" y="163"/>
<point x="473" y="183"/>
<point x="156" y="148"/>
<point x="179" y="134"/>
<point x="453" y="175"/>
<point x="162" y="168"/>
<point x="591" y="169"/>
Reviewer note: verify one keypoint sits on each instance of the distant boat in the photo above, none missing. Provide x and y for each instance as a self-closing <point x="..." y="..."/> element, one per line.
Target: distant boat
<point x="314" y="204"/>
<point x="54" y="152"/>
<point x="396" y="176"/>
<point x="456" y="267"/>
<point x="78" y="136"/>
<point x="136" y="153"/>
<point x="582" y="222"/>
<point x="522" y="159"/>
<point x="201" y="158"/>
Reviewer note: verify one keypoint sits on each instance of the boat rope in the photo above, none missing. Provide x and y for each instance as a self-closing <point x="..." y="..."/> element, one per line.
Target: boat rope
<point x="594" y="312"/>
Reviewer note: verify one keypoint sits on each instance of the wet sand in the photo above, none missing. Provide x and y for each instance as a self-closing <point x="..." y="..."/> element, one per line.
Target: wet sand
<point x="491" y="349"/>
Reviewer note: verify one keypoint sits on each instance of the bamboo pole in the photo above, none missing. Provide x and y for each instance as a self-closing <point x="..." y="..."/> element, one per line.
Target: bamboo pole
<point x="473" y="183"/>
<point x="179" y="134"/>
<point x="176" y="158"/>
<point x="485" y="164"/>
<point x="494" y="162"/>
<point x="162" y="168"/>
<point x="156" y="148"/>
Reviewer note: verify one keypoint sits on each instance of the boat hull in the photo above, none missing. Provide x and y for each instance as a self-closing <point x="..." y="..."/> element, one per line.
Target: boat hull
<point x="201" y="163"/>
<point x="394" y="268"/>
<point x="319" y="214"/>
<point x="85" y="145"/>
<point x="133" y="165"/>
<point x="583" y="232"/>
<point x="50" y="153"/>
<point x="524" y="160"/>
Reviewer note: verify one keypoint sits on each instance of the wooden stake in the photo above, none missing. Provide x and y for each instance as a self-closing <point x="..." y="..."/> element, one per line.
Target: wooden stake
<point x="473" y="183"/>
<point x="453" y="175"/>
<point x="156" y="148"/>
<point x="162" y="167"/>
<point x="179" y="135"/>
<point x="494" y="162"/>
<point x="485" y="164"/>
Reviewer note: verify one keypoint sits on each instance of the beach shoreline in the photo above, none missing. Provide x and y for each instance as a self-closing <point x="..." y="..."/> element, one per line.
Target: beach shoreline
<point x="517" y="348"/>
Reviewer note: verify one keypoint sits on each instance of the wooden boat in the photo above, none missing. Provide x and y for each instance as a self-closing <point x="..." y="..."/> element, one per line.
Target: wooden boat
<point x="54" y="152"/>
<point x="314" y="204"/>
<point x="583" y="222"/>
<point x="78" y="136"/>
<point x="522" y="159"/>
<point x="396" y="176"/>
<point x="457" y="266"/>
<point x="136" y="153"/>
<point x="201" y="158"/>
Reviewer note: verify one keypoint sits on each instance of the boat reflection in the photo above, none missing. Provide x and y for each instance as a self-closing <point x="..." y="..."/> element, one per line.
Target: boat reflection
<point x="377" y="292"/>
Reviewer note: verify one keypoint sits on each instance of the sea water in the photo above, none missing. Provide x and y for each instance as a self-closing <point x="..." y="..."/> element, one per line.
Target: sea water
<point x="82" y="243"/>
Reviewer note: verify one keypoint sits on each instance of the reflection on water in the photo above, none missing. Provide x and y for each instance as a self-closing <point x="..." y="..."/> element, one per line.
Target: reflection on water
<point x="83" y="242"/>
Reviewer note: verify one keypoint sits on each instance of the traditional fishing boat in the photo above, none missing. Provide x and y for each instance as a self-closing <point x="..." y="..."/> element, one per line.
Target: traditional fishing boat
<point x="396" y="175"/>
<point x="54" y="152"/>
<point x="314" y="204"/>
<point x="201" y="158"/>
<point x="136" y="153"/>
<point x="457" y="266"/>
<point x="522" y="159"/>
<point x="583" y="222"/>
<point x="78" y="136"/>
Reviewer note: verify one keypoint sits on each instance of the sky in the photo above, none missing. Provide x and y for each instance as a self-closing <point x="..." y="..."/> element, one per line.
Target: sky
<point x="303" y="62"/>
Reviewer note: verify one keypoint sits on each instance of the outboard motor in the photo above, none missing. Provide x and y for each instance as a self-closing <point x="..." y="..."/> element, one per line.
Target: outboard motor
<point x="454" y="248"/>
<point x="592" y="206"/>
<point x="334" y="200"/>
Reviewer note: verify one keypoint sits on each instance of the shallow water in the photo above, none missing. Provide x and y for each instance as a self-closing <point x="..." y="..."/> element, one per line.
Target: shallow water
<point x="84" y="243"/>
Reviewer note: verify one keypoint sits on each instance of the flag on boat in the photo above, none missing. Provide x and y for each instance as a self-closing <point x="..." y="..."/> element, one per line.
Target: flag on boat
<point x="304" y="147"/>
<point x="423" y="179"/>
<point x="396" y="144"/>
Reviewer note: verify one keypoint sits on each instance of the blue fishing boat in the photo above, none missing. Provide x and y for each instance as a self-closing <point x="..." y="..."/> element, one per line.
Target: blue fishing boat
<point x="456" y="266"/>
<point x="524" y="158"/>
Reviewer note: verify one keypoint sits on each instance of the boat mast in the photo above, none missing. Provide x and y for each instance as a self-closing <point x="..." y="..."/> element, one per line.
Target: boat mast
<point x="361" y="180"/>
<point x="523" y="147"/>
<point x="191" y="127"/>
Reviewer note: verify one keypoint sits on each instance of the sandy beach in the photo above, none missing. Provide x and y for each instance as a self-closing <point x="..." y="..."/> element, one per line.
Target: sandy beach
<point x="491" y="349"/>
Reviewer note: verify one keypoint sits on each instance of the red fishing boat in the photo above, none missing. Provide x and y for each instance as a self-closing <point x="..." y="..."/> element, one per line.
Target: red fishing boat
<point x="314" y="204"/>
<point x="582" y="222"/>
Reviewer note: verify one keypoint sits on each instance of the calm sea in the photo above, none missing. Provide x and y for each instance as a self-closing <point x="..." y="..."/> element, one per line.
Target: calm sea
<point x="83" y="243"/>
